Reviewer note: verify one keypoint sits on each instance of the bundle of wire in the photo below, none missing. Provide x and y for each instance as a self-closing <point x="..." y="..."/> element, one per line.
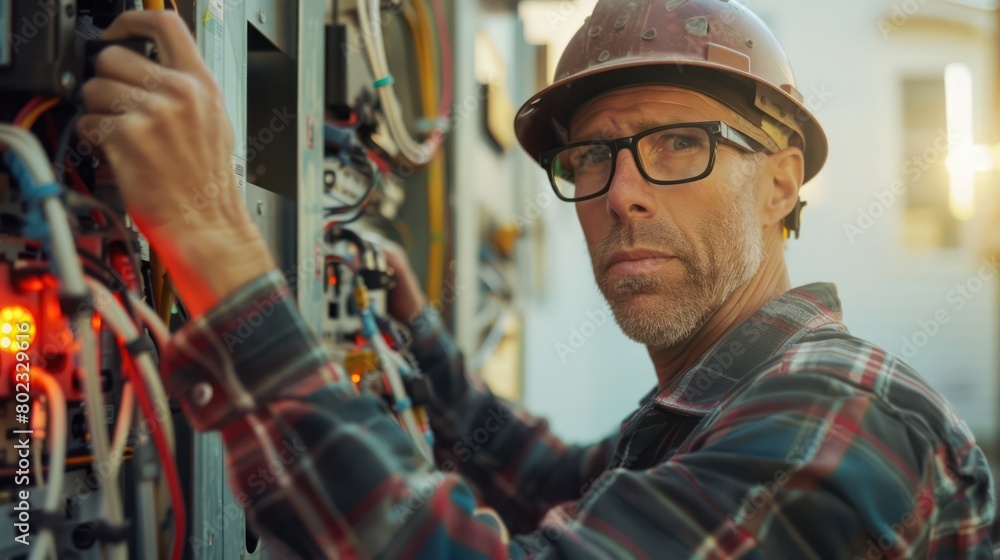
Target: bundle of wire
<point x="422" y="30"/>
<point x="350" y="155"/>
<point x="30" y="167"/>
<point x="28" y="162"/>
<point x="414" y="152"/>
<point x="347" y="214"/>
<point x="391" y="363"/>
<point x="152" y="397"/>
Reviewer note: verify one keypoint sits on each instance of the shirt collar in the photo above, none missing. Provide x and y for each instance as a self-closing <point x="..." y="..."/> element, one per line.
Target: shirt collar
<point x="779" y="324"/>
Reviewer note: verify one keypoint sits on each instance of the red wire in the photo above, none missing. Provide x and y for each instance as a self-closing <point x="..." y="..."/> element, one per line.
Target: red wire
<point x="77" y="181"/>
<point x="335" y="259"/>
<point x="28" y="107"/>
<point x="167" y="460"/>
<point x="383" y="165"/>
<point x="123" y="265"/>
<point x="350" y="122"/>
<point x="446" y="62"/>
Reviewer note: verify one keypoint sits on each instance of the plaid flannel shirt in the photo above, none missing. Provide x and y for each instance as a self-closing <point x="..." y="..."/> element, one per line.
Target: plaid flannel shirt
<point x="790" y="438"/>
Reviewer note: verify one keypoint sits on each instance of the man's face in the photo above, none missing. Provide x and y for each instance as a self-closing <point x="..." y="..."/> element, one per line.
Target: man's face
<point x="667" y="257"/>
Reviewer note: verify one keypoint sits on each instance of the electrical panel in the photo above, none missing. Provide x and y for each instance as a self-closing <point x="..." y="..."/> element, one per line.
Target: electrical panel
<point x="340" y="122"/>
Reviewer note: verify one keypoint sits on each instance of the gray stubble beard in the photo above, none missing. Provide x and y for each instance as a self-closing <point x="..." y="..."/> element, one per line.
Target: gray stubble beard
<point x="671" y="312"/>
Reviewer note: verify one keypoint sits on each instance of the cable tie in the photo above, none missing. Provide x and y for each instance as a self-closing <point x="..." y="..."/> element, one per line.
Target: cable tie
<point x="388" y="80"/>
<point x="40" y="192"/>
<point x="424" y="125"/>
<point x="47" y="519"/>
<point x="35" y="227"/>
<point x="402" y="404"/>
<point x="140" y="345"/>
<point x="105" y="532"/>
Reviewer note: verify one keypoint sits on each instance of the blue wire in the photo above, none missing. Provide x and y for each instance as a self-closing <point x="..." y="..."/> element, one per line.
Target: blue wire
<point x="32" y="193"/>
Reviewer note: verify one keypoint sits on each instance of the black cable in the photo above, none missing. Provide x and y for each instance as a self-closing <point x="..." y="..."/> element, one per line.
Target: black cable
<point x="365" y="200"/>
<point x="59" y="161"/>
<point x="147" y="281"/>
<point x="91" y="203"/>
<point x="8" y="231"/>
<point x="352" y="219"/>
<point x="359" y="207"/>
<point x="100" y="270"/>
<point x="107" y="273"/>
<point x="335" y="233"/>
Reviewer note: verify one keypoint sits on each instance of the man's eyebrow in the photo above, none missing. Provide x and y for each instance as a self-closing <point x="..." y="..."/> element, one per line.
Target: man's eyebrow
<point x="642" y="124"/>
<point x="637" y="124"/>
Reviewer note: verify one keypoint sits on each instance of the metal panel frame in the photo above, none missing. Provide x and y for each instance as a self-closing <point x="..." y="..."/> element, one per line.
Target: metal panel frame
<point x="223" y="46"/>
<point x="217" y="527"/>
<point x="311" y="43"/>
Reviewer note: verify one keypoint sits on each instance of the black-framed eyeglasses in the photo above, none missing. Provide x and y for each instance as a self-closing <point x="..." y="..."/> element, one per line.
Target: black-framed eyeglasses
<point x="666" y="155"/>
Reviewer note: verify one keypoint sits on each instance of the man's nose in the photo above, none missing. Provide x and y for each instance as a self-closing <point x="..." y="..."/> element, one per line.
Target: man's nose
<point x="630" y="196"/>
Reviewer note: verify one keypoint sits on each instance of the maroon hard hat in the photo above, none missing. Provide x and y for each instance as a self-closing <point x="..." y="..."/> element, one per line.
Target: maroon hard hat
<point x="717" y="47"/>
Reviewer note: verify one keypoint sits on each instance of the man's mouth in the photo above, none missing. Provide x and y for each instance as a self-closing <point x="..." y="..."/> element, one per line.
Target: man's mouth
<point x="636" y="261"/>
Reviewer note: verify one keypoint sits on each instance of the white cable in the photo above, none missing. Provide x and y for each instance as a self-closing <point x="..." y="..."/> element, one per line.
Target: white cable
<point x="56" y="432"/>
<point x="118" y="321"/>
<point x="126" y="413"/>
<point x="69" y="271"/>
<point x="94" y="412"/>
<point x="30" y="150"/>
<point x="162" y="336"/>
<point x="399" y="395"/>
<point x="369" y="19"/>
<point x="146" y="520"/>
<point x="40" y="436"/>
<point x="151" y="320"/>
<point x="149" y="370"/>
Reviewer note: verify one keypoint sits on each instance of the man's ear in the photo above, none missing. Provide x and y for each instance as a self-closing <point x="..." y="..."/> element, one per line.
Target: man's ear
<point x="784" y="175"/>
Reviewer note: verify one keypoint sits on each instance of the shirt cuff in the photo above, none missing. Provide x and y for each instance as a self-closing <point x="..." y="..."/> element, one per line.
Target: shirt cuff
<point x="431" y="344"/>
<point x="244" y="352"/>
<point x="425" y="325"/>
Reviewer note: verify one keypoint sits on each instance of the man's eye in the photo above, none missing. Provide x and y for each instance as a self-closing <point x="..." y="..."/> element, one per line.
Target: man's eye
<point x="683" y="143"/>
<point x="591" y="156"/>
<point x="596" y="155"/>
<point x="677" y="142"/>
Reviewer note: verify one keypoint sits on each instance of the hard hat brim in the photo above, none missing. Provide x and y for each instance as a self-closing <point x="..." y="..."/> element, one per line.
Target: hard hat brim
<point x="540" y="117"/>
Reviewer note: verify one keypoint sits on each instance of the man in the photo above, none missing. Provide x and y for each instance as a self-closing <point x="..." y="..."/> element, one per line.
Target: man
<point x="675" y="129"/>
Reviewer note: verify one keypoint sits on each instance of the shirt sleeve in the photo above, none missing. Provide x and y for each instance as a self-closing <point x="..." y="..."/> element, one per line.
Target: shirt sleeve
<point x="511" y="458"/>
<point x="322" y="471"/>
<point x="796" y="465"/>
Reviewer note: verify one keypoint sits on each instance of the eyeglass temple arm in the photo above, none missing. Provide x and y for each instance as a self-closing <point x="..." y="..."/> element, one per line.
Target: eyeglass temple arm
<point x="742" y="140"/>
<point x="793" y="221"/>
